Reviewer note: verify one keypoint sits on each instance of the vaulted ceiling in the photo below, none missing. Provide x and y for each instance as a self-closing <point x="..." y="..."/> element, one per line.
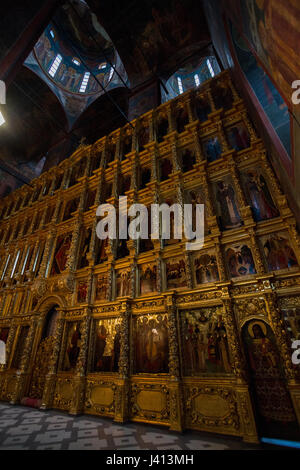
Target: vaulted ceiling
<point x="45" y="119"/>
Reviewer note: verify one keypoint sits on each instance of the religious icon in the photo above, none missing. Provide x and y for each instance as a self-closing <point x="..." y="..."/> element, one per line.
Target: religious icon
<point x="259" y="196"/>
<point x="101" y="287"/>
<point x="127" y="143"/>
<point x="291" y="319"/>
<point x="107" y="345"/>
<point x="227" y="207"/>
<point x="205" y="344"/>
<point x="239" y="260"/>
<point x="82" y="291"/>
<point x="60" y="258"/>
<point x="212" y="149"/>
<point x="203" y="109"/>
<point x="165" y="169"/>
<point x="72" y="346"/>
<point x="162" y="128"/>
<point x="90" y="200"/>
<point x="148" y="275"/>
<point x="84" y="248"/>
<point x="151" y="344"/>
<point x="222" y="96"/>
<point x="143" y="135"/>
<point x="176" y="273"/>
<point x="196" y="197"/>
<point x="238" y="137"/>
<point x="206" y="268"/>
<point x="188" y="159"/>
<point x="182" y="119"/>
<point x="103" y="247"/>
<point x="273" y="400"/>
<point x="145" y="177"/>
<point x="123" y="283"/>
<point x="70" y="207"/>
<point x="278" y="251"/>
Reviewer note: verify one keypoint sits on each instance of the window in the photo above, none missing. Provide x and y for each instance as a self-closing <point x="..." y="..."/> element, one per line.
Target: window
<point x="197" y="79"/>
<point x="2" y="120"/>
<point x="179" y="81"/>
<point x="55" y="65"/>
<point x="5" y="268"/>
<point x="15" y="264"/>
<point x="111" y="73"/>
<point x="25" y="261"/>
<point x="102" y="66"/>
<point x="76" y="61"/>
<point x="211" y="70"/>
<point x="36" y="259"/>
<point x="52" y="33"/>
<point x="84" y="82"/>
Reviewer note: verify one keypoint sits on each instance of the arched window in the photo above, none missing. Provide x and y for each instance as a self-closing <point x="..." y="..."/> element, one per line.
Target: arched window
<point x="54" y="67"/>
<point x="84" y="82"/>
<point x="189" y="76"/>
<point x="76" y="61"/>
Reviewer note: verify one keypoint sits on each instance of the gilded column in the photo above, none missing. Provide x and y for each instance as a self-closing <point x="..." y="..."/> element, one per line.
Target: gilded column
<point x="22" y="373"/>
<point x="78" y="398"/>
<point x="49" y="389"/>
<point x="238" y="363"/>
<point x="122" y="383"/>
<point x="175" y="389"/>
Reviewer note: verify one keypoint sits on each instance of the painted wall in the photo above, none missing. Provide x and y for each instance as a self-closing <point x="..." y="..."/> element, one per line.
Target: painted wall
<point x="271" y="30"/>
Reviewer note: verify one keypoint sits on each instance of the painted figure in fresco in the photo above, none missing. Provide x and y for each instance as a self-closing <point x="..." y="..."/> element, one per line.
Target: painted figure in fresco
<point x="148" y="279"/>
<point x="73" y="349"/>
<point x="240" y="261"/>
<point x="273" y="400"/>
<point x="206" y="269"/>
<point x="239" y="138"/>
<point x="279" y="254"/>
<point x="261" y="200"/>
<point x="230" y="216"/>
<point x="213" y="149"/>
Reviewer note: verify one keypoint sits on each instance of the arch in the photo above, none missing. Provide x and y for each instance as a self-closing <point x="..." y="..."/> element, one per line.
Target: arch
<point x="47" y="303"/>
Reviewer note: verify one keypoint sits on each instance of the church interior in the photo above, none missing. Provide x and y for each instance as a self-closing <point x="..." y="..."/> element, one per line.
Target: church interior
<point x="164" y="102"/>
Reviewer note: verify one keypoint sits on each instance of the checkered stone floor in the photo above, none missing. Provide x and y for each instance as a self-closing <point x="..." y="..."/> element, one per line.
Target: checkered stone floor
<point x="29" y="429"/>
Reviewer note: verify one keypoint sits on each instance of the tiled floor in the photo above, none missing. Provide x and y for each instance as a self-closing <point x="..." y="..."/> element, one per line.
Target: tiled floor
<point x="27" y="428"/>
